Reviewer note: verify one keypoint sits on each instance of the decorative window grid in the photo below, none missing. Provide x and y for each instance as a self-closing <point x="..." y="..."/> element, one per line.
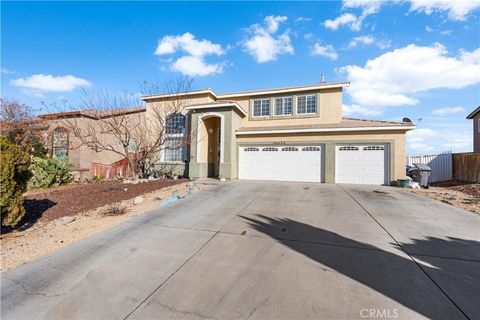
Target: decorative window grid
<point x="270" y="149"/>
<point x="307" y="104"/>
<point x="310" y="149"/>
<point x="283" y="106"/>
<point x="289" y="149"/>
<point x="261" y="108"/>
<point x="348" y="148"/>
<point x="251" y="149"/>
<point x="373" y="148"/>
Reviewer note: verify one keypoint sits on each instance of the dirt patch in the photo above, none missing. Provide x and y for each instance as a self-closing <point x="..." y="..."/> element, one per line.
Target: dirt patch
<point x="51" y="204"/>
<point x="46" y="236"/>
<point x="462" y="195"/>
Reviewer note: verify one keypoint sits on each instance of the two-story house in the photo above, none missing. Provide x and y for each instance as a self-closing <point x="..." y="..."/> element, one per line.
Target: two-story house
<point x="289" y="134"/>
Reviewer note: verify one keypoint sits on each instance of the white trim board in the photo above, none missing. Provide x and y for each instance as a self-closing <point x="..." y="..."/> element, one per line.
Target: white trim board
<point x="218" y="105"/>
<point x="323" y="130"/>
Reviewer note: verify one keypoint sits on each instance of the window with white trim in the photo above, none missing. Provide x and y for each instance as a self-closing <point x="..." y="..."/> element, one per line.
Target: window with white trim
<point x="283" y="106"/>
<point x="174" y="145"/>
<point x="173" y="149"/>
<point x="478" y="125"/>
<point x="261" y="108"/>
<point x="307" y="104"/>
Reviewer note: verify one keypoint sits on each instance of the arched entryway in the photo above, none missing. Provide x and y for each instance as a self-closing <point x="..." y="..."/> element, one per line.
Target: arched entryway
<point x="210" y="142"/>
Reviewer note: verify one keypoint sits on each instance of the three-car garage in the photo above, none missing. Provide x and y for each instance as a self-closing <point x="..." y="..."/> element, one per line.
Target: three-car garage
<point x="354" y="163"/>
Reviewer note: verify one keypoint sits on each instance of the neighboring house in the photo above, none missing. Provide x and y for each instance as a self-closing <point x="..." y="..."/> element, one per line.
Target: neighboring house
<point x="475" y="116"/>
<point x="85" y="161"/>
<point x="290" y="134"/>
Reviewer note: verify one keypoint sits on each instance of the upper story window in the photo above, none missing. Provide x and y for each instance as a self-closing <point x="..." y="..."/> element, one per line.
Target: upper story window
<point x="60" y="143"/>
<point x="261" y="108"/>
<point x="175" y="124"/>
<point x="283" y="106"/>
<point x="307" y="104"/>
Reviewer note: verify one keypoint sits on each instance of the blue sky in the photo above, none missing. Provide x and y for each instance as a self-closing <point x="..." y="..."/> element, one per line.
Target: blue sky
<point x="407" y="58"/>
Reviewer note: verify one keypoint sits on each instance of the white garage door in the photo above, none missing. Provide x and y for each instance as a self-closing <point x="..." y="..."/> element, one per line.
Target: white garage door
<point x="363" y="164"/>
<point x="285" y="163"/>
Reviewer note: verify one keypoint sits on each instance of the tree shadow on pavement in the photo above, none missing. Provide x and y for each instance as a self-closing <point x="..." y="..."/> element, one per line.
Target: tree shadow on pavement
<point x="394" y="275"/>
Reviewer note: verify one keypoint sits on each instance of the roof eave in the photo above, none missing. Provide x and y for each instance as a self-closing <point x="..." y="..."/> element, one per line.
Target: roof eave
<point x="473" y="113"/>
<point x="314" y="130"/>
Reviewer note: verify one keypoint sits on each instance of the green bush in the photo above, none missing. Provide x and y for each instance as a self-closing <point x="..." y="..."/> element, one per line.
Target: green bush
<point x="51" y="172"/>
<point x="15" y="173"/>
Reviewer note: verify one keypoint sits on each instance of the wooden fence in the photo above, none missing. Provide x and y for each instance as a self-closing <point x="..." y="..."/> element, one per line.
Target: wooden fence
<point x="116" y="169"/>
<point x="466" y="166"/>
<point x="441" y="165"/>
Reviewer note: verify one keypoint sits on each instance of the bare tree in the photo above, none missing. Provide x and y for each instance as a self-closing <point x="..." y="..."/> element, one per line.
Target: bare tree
<point x="19" y="126"/>
<point x="116" y="123"/>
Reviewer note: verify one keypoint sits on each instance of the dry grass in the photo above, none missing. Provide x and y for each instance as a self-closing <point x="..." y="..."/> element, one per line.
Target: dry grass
<point x="116" y="209"/>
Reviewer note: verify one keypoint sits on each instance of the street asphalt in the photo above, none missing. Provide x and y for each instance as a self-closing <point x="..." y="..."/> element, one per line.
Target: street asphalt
<point x="265" y="250"/>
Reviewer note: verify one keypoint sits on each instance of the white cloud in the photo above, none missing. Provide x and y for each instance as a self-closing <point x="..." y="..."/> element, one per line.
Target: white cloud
<point x="325" y="51"/>
<point x="345" y="19"/>
<point x="457" y="10"/>
<point x="393" y="78"/>
<point x="272" y="22"/>
<point x="193" y="62"/>
<point x="367" y="8"/>
<point x="187" y="43"/>
<point x="428" y="140"/>
<point x="262" y="43"/>
<point x="447" y="110"/>
<point x="195" y="66"/>
<point x="428" y="29"/>
<point x="302" y="19"/>
<point x="48" y="83"/>
<point x="366" y="40"/>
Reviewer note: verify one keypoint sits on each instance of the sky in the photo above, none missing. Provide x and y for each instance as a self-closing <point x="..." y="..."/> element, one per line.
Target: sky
<point x="406" y="58"/>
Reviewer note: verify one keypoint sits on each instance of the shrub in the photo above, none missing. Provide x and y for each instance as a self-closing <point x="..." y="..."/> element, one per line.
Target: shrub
<point x="115" y="209"/>
<point x="51" y="172"/>
<point x="14" y="166"/>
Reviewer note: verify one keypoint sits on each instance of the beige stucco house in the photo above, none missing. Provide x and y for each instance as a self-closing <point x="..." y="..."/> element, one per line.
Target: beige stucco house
<point x="475" y="116"/>
<point x="60" y="141"/>
<point x="290" y="134"/>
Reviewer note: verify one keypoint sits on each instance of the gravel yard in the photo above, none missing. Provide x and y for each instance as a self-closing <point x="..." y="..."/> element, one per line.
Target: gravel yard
<point x="43" y="233"/>
<point x="462" y="195"/>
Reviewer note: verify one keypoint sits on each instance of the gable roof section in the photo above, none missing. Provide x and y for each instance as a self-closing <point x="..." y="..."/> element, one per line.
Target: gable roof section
<point x="347" y="124"/>
<point x="318" y="86"/>
<point x="473" y="113"/>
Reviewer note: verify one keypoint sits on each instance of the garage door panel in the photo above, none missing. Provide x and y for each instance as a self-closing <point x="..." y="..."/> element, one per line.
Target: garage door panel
<point x="362" y="164"/>
<point x="286" y="163"/>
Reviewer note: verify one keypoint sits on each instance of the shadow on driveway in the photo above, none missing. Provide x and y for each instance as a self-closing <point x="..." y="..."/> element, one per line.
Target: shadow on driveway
<point x="389" y="273"/>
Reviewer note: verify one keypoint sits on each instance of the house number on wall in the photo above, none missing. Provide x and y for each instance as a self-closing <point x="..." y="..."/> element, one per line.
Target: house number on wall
<point x="276" y="143"/>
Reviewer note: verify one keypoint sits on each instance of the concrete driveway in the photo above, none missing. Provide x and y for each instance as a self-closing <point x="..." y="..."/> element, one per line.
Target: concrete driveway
<point x="265" y="250"/>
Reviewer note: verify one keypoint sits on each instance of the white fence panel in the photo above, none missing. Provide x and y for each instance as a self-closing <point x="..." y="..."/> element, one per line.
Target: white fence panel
<point x="441" y="165"/>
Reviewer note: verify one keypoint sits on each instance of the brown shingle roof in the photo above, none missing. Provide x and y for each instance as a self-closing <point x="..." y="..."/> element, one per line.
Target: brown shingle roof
<point x="345" y="123"/>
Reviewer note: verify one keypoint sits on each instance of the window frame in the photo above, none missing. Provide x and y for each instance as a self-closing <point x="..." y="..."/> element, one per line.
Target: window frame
<point x="283" y="98"/>
<point x="175" y="134"/>
<point x="269" y="108"/>
<point x="53" y="147"/>
<point x="306" y="104"/>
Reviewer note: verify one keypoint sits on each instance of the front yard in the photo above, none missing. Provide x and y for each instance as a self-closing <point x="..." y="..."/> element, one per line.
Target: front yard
<point x="464" y="196"/>
<point x="43" y="230"/>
